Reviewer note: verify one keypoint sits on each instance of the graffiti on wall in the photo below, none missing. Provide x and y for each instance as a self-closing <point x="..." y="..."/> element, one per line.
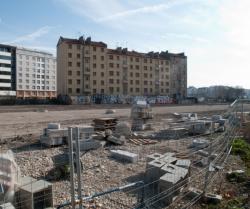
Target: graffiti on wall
<point x="120" y="99"/>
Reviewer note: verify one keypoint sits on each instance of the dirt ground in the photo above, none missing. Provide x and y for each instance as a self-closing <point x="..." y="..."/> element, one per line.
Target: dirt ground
<point x="19" y="130"/>
<point x="20" y="120"/>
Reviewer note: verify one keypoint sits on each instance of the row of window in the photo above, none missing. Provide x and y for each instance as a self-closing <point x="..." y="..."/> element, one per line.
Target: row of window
<point x="78" y="47"/>
<point x="37" y="70"/>
<point x="37" y="81"/>
<point x="37" y="65"/>
<point x="36" y="87"/>
<point x="37" y="76"/>
<point x="36" y="59"/>
<point x="5" y="57"/>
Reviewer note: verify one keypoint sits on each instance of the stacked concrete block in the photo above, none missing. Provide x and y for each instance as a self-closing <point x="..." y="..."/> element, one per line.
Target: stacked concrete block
<point x="53" y="135"/>
<point x="166" y="172"/>
<point x="154" y="156"/>
<point x="183" y="163"/>
<point x="124" y="156"/>
<point x="38" y="194"/>
<point x="85" y="131"/>
<point x="153" y="170"/>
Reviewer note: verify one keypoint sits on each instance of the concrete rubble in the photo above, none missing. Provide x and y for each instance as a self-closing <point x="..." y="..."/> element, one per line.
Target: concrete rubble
<point x="123" y="129"/>
<point x="164" y="171"/>
<point x="115" y="140"/>
<point x="200" y="143"/>
<point x="88" y="144"/>
<point x="124" y="156"/>
<point x="7" y="206"/>
<point x="193" y="192"/>
<point x="213" y="198"/>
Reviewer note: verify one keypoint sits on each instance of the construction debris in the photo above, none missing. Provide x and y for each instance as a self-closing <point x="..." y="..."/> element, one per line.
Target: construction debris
<point x="110" y="111"/>
<point x="171" y="133"/>
<point x="53" y="135"/>
<point x="164" y="172"/>
<point x="88" y="144"/>
<point x="7" y="206"/>
<point x="213" y="198"/>
<point x="123" y="129"/>
<point x="102" y="124"/>
<point x="193" y="192"/>
<point x="199" y="144"/>
<point x="142" y="141"/>
<point x="124" y="156"/>
<point x="119" y="141"/>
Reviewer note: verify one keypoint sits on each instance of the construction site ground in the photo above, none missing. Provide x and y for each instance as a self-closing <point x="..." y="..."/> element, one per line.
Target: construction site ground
<point x="20" y="130"/>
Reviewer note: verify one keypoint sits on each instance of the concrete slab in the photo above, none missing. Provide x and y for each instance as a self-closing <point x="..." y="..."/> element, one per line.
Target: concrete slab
<point x="86" y="145"/>
<point x="183" y="163"/>
<point x="124" y="156"/>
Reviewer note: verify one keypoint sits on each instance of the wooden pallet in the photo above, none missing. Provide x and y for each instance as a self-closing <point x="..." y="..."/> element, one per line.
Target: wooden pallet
<point x="142" y="141"/>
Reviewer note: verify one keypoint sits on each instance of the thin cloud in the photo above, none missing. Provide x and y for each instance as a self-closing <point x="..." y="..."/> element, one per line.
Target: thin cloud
<point x="146" y="9"/>
<point x="31" y="36"/>
<point x="185" y="36"/>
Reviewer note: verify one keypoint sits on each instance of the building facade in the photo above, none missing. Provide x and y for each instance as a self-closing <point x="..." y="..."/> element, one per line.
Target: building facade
<point x="7" y="71"/>
<point x="87" y="67"/>
<point x="35" y="74"/>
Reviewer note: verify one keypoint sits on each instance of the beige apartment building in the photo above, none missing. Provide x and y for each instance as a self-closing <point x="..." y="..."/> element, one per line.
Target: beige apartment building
<point x="86" y="67"/>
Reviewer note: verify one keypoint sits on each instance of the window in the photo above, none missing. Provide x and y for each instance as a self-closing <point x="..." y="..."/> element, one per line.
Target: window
<point x="131" y="66"/>
<point x="117" y="73"/>
<point x="167" y="77"/>
<point x="20" y="74"/>
<point x="43" y="87"/>
<point x="145" y="82"/>
<point x="145" y="67"/>
<point x="118" y="58"/>
<point x="94" y="49"/>
<point x="131" y="82"/>
<point x="151" y="90"/>
<point x="111" y="65"/>
<point x="145" y="75"/>
<point x="137" y="75"/>
<point x="33" y="81"/>
<point x="111" y="73"/>
<point x="94" y="65"/>
<point x="38" y="87"/>
<point x="131" y="59"/>
<point x="150" y="60"/>
<point x="78" y="73"/>
<point x="145" y="90"/>
<point x="33" y="87"/>
<point x="27" y="81"/>
<point x="78" y="47"/>
<point x="131" y="89"/>
<point x="94" y="73"/>
<point x="111" y="81"/>
<point x="102" y="82"/>
<point x="111" y="57"/>
<point x="94" y="57"/>
<point x="69" y="64"/>
<point x="145" y="60"/>
<point x="131" y="74"/>
<point x="117" y="89"/>
<point x="94" y="82"/>
<point x="137" y="59"/>
<point x="151" y="82"/>
<point x="43" y="76"/>
<point x="20" y="80"/>
<point x="70" y="55"/>
<point x="137" y="90"/>
<point x="167" y="83"/>
<point x="70" y="46"/>
<point x="161" y="62"/>
<point x="38" y="76"/>
<point x="78" y="64"/>
<point x="137" y="67"/>
<point x="102" y="66"/>
<point x="38" y="81"/>
<point x="102" y="58"/>
<point x="102" y="49"/>
<point x="102" y="74"/>
<point x="70" y="90"/>
<point x="94" y="91"/>
<point x="47" y="77"/>
<point x="70" y="81"/>
<point x="78" y="55"/>
<point x="166" y="62"/>
<point x="117" y="81"/>
<point x="27" y="87"/>
<point x="69" y="72"/>
<point x="137" y="82"/>
<point x="167" y="69"/>
<point x="117" y="65"/>
<point x="102" y="91"/>
<point x="150" y="75"/>
<point x="78" y="91"/>
<point x="111" y="90"/>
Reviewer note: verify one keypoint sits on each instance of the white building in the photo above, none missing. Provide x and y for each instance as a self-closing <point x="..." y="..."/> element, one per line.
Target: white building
<point x="35" y="74"/>
<point x="7" y="71"/>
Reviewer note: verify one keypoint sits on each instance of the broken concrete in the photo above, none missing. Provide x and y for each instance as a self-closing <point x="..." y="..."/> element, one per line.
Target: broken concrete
<point x="193" y="192"/>
<point x="213" y="198"/>
<point x="183" y="163"/>
<point x="199" y="144"/>
<point x="123" y="129"/>
<point x="124" y="156"/>
<point x="7" y="206"/>
<point x="119" y="141"/>
<point x="54" y="126"/>
<point x="154" y="156"/>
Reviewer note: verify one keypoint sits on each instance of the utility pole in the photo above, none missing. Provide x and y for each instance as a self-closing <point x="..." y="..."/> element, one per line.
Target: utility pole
<point x="71" y="163"/>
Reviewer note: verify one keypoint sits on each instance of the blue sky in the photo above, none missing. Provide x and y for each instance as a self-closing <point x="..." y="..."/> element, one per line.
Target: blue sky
<point x="214" y="34"/>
